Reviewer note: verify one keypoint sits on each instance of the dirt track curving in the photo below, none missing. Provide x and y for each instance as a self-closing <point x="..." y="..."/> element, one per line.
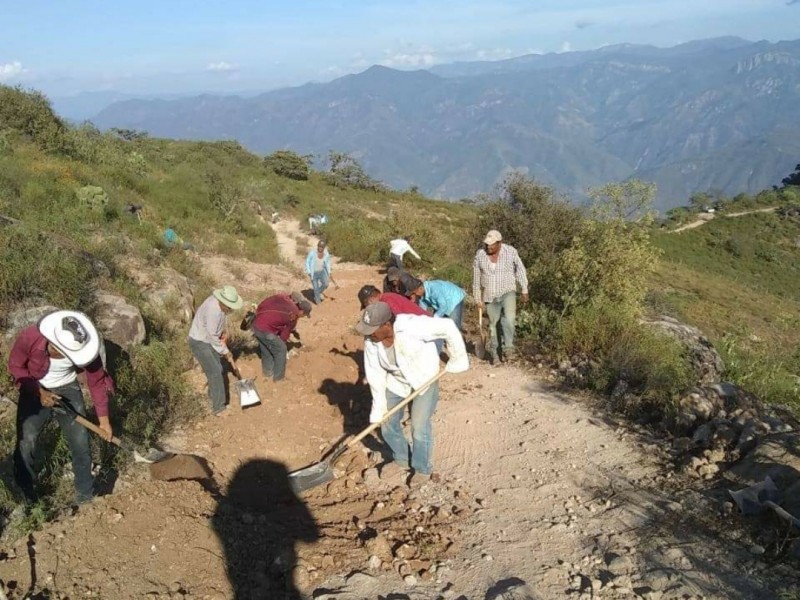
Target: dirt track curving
<point x="541" y="496"/>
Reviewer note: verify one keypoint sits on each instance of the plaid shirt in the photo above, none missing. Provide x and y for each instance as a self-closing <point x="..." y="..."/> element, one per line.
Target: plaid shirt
<point x="508" y="272"/>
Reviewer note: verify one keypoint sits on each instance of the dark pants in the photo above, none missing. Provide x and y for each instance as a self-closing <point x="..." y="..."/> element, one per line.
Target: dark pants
<point x="31" y="418"/>
<point x="273" y="354"/>
<point x="395" y="261"/>
<point x="211" y="363"/>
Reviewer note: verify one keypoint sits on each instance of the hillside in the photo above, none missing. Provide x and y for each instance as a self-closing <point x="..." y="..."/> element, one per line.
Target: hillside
<point x="708" y="115"/>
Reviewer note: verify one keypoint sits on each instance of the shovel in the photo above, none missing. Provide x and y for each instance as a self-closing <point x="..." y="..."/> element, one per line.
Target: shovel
<point x="248" y="395"/>
<point x="322" y="472"/>
<point x="757" y="498"/>
<point x="480" y="346"/>
<point x="153" y="455"/>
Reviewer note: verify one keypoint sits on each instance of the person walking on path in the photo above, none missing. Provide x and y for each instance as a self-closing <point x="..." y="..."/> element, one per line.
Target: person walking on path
<point x="369" y="294"/>
<point x="496" y="273"/>
<point x="207" y="340"/>
<point x="318" y="268"/>
<point x="44" y="364"/>
<point x="444" y="298"/>
<point x="398" y="249"/>
<point x="400" y="356"/>
<point x="275" y="320"/>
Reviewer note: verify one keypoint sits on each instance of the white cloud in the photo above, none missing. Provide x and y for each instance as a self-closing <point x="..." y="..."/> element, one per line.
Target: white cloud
<point x="566" y="47"/>
<point x="221" y="66"/>
<point x="11" y="70"/>
<point x="409" y="59"/>
<point x="495" y="54"/>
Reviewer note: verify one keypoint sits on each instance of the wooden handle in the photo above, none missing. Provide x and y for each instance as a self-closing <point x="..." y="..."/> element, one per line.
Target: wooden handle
<point x="397" y="408"/>
<point x="95" y="429"/>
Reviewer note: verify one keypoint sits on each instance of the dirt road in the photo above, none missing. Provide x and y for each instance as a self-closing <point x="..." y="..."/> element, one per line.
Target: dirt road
<point x="541" y="496"/>
<point x="704" y="218"/>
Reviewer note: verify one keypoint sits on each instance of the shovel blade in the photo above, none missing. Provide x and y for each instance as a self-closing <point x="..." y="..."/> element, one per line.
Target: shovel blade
<point x="480" y="349"/>
<point x="310" y="477"/>
<point x="248" y="395"/>
<point x="153" y="455"/>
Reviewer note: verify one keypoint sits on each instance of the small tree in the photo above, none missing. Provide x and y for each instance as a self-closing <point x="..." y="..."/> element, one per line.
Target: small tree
<point x="30" y="113"/>
<point x="224" y="195"/>
<point x="289" y="164"/>
<point x="345" y="171"/>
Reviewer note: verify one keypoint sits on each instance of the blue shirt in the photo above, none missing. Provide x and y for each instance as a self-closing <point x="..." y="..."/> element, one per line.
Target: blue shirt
<point x="311" y="259"/>
<point x="441" y="296"/>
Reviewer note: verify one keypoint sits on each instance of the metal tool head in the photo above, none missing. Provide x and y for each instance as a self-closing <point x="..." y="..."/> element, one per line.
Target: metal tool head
<point x="248" y="395"/>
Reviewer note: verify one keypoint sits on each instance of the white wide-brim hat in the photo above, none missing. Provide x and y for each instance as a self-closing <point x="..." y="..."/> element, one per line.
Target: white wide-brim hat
<point x="73" y="334"/>
<point x="229" y="297"/>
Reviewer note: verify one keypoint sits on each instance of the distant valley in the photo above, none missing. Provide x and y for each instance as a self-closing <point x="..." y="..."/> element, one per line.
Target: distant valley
<point x="712" y="115"/>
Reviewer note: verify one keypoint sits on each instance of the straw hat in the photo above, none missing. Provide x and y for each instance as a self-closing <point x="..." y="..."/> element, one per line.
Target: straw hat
<point x="229" y="297"/>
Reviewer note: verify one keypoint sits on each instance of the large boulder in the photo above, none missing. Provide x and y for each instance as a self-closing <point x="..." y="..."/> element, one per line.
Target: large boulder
<point x="165" y="291"/>
<point x="706" y="361"/>
<point x="118" y="321"/>
<point x="18" y="319"/>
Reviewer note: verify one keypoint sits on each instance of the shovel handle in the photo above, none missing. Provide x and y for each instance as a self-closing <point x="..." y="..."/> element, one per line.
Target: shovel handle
<point x="95" y="429"/>
<point x="396" y="409"/>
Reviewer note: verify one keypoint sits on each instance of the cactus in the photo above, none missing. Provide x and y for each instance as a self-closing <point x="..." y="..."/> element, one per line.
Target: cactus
<point x="92" y="197"/>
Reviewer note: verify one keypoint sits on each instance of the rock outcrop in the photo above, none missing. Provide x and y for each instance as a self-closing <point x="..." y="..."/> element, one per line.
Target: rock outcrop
<point x="706" y="361"/>
<point x="119" y="321"/>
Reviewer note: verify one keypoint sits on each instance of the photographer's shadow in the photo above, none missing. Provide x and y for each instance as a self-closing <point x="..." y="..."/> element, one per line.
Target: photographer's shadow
<point x="258" y="521"/>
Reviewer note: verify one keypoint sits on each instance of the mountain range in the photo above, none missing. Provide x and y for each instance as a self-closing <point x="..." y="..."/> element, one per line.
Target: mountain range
<point x="710" y="115"/>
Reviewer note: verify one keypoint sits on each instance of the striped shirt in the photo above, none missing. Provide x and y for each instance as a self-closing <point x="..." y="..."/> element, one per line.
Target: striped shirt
<point x="496" y="279"/>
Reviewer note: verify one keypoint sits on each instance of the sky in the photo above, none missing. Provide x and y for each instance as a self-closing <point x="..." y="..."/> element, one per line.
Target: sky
<point x="165" y="47"/>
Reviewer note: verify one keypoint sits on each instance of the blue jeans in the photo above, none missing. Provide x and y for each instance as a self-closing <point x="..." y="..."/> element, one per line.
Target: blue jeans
<point x="319" y="283"/>
<point x="273" y="354"/>
<point x="504" y="311"/>
<point x="211" y="363"/>
<point x="421" y="448"/>
<point x="31" y="418"/>
<point x="457" y="314"/>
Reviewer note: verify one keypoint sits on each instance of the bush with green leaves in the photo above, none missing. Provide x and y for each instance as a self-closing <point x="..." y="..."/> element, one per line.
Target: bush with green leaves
<point x="92" y="197"/>
<point x="289" y="164"/>
<point x="29" y="113"/>
<point x="345" y="171"/>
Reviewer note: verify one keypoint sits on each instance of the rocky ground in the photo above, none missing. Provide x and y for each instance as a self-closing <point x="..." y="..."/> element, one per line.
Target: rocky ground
<point x="540" y="494"/>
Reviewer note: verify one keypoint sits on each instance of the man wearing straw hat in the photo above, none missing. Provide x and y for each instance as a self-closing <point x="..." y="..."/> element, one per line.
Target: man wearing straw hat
<point x="207" y="341"/>
<point x="44" y="363"/>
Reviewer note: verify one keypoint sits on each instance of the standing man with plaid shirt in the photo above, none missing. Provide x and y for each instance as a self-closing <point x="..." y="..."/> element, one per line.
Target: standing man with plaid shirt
<point x="495" y="274"/>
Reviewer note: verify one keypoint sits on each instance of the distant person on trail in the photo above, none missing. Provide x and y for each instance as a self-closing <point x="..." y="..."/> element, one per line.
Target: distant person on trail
<point x="444" y="298"/>
<point x="398" y="248"/>
<point x="400" y="305"/>
<point x="318" y="268"/>
<point x="172" y="240"/>
<point x="496" y="272"/>
<point x="391" y="283"/>
<point x="44" y="364"/>
<point x="207" y="340"/>
<point x="399" y="357"/>
<point x="274" y="321"/>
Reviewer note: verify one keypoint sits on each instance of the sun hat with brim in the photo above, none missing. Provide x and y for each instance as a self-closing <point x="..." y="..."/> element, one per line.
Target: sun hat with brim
<point x="373" y="317"/>
<point x="72" y="334"/>
<point x="492" y="237"/>
<point x="229" y="297"/>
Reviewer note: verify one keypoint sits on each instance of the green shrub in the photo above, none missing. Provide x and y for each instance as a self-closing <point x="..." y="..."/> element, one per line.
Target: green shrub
<point x="288" y="164"/>
<point x="92" y="197"/>
<point x="34" y="268"/>
<point x="30" y="114"/>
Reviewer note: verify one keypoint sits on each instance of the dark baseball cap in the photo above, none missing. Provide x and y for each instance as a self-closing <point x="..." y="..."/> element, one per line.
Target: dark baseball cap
<point x="409" y="283"/>
<point x="365" y="293"/>
<point x="373" y="317"/>
<point x="394" y="273"/>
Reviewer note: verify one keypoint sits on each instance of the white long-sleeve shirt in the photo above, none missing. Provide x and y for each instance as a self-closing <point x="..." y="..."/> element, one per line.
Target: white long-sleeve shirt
<point x="417" y="359"/>
<point x="400" y="246"/>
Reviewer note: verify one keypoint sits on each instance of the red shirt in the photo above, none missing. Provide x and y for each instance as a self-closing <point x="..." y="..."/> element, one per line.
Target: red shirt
<point x="277" y="315"/>
<point x="401" y="305"/>
<point x="29" y="362"/>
